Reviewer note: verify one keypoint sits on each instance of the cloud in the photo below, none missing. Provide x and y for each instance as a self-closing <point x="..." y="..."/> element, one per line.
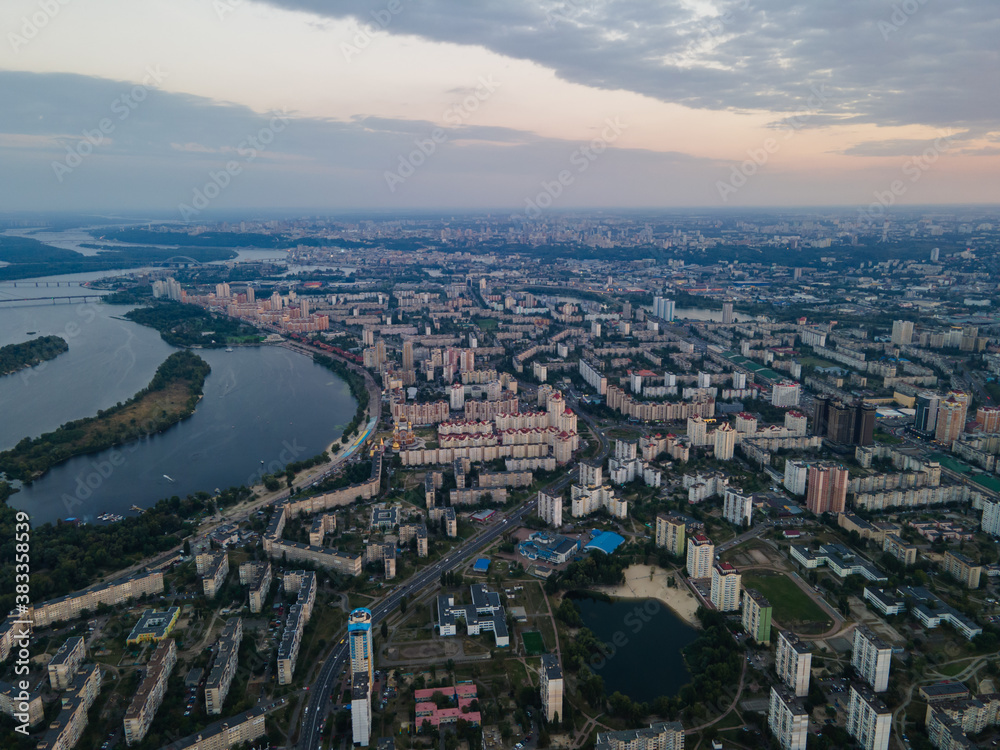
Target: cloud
<point x="938" y="65"/>
<point x="167" y="146"/>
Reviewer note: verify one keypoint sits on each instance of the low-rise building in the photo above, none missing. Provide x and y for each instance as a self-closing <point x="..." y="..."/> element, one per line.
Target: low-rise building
<point x="484" y="614"/>
<point x="154" y="626"/>
<point x="839" y="559"/>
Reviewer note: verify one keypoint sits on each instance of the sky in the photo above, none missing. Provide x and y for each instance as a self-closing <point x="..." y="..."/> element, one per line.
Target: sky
<point x="192" y="106"/>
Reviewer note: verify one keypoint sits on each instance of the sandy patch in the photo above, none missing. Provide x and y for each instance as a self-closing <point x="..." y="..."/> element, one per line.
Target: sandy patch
<point x="639" y="585"/>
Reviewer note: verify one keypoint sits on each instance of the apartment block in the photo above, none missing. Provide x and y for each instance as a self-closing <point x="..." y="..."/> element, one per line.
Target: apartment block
<point x="65" y="731"/>
<point x="826" y="489"/>
<point x="12" y="701"/>
<point x="793" y="662"/>
<point x="551" y="687"/>
<point x="666" y="735"/>
<point x="737" y="508"/>
<point x="725" y="594"/>
<point x="670" y="531"/>
<point x="756" y="616"/>
<point x="796" y="477"/>
<point x="700" y="556"/>
<point x="63" y="666"/>
<point x="550" y="509"/>
<point x="788" y="719"/>
<point x="258" y="576"/>
<point x="222" y="735"/>
<point x="113" y="593"/>
<point x="146" y="701"/>
<point x="224" y="667"/>
<point x="213" y="567"/>
<point x="12" y="632"/>
<point x="869" y="721"/>
<point x="899" y="548"/>
<point x="304" y="583"/>
<point x="871" y="658"/>
<point x="965" y="570"/>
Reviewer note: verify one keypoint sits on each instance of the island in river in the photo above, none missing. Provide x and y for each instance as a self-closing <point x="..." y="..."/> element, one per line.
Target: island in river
<point x="16" y="357"/>
<point x="171" y="396"/>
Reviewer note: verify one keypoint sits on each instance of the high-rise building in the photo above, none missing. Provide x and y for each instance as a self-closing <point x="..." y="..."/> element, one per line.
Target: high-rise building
<point x="551" y="687"/>
<point x="826" y="489"/>
<point x="988" y="418"/>
<point x="991" y="517"/>
<point x="821" y="405"/>
<point x="756" y="616"/>
<point x="724" y="439"/>
<point x="359" y="634"/>
<point x="550" y="509"/>
<point x="840" y="422"/>
<point x="670" y="533"/>
<point x="700" y="556"/>
<point x="663" y="308"/>
<point x="359" y="637"/>
<point x="408" y="354"/>
<point x="871" y="658"/>
<point x="869" y="721"/>
<point x="793" y="662"/>
<point x="935" y="255"/>
<point x="925" y="420"/>
<point x="788" y="720"/>
<point x="457" y="396"/>
<point x="951" y="417"/>
<point x="727" y="312"/>
<point x="796" y="476"/>
<point x="737" y="508"/>
<point x="725" y="593"/>
<point x="902" y="332"/>
<point x="786" y="394"/>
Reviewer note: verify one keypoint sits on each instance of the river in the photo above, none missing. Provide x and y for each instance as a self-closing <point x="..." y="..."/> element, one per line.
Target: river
<point x="260" y="404"/>
<point x="644" y="640"/>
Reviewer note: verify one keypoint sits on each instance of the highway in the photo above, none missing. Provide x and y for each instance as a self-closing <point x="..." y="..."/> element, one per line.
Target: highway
<point x="319" y="691"/>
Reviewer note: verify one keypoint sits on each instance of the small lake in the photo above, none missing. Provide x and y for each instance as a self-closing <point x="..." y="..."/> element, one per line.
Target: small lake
<point x="645" y="640"/>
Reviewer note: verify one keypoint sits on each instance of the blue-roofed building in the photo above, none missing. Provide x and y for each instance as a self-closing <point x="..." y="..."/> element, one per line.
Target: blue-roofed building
<point x="482" y="565"/>
<point x="552" y="548"/>
<point x="604" y="541"/>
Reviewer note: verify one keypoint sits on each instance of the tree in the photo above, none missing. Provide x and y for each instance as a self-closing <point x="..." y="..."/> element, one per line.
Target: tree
<point x="402" y="606"/>
<point x="384" y="630"/>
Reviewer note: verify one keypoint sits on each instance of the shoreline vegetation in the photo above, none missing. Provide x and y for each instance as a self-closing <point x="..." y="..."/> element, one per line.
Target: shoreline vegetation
<point x="650" y="582"/>
<point x="17" y="357"/>
<point x="171" y="396"/>
<point x="190" y="326"/>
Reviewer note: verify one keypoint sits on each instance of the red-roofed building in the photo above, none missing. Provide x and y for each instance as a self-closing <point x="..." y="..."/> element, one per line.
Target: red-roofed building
<point x="461" y="697"/>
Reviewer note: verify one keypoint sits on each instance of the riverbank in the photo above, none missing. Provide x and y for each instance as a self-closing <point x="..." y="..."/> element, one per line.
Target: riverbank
<point x="639" y="584"/>
<point x="171" y="396"/>
<point x="17" y="357"/>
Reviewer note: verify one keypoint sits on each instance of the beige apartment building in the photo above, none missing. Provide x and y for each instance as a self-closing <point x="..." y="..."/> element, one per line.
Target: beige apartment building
<point x="148" y="698"/>
<point x="113" y="594"/>
<point x="67" y="660"/>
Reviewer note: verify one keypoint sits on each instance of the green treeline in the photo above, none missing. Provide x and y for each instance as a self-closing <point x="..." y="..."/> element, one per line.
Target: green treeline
<point x="188" y="325"/>
<point x="171" y="396"/>
<point x="16" y="357"/>
<point x="356" y="382"/>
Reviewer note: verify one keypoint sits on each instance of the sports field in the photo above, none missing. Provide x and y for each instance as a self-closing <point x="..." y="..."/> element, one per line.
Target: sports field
<point x="792" y="607"/>
<point x="533" y="643"/>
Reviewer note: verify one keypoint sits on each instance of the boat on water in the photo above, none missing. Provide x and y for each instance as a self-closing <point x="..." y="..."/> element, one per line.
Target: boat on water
<point x="31" y="333"/>
<point x="229" y="348"/>
<point x="137" y="509"/>
<point x="167" y="478"/>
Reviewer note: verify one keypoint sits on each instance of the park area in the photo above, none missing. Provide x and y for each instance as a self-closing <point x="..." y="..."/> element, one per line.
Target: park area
<point x="792" y="607"/>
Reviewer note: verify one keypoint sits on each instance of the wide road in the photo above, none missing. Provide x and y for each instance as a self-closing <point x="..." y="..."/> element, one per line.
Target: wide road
<point x="319" y="691"/>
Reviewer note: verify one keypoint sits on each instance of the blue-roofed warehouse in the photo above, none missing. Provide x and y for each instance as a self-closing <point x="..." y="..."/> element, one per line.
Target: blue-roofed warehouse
<point x="482" y="565"/>
<point x="604" y="541"/>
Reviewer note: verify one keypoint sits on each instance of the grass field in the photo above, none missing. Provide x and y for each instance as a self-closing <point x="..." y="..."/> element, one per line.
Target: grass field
<point x="791" y="605"/>
<point x="533" y="643"/>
